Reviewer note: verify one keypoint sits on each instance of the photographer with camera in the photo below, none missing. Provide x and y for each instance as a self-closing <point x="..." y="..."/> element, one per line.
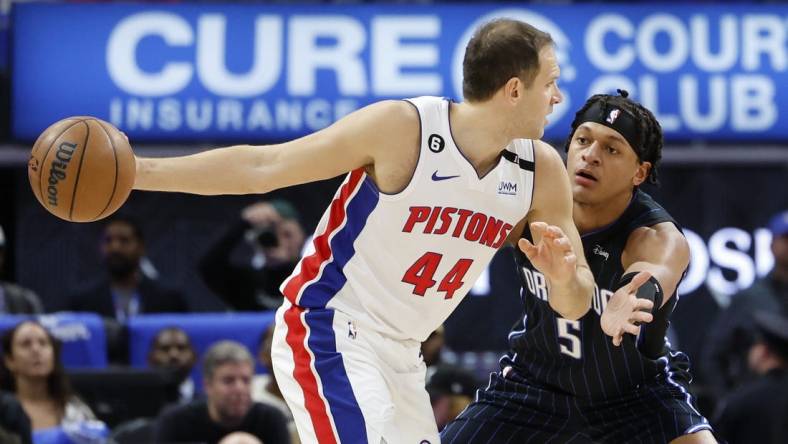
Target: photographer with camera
<point x="275" y="236"/>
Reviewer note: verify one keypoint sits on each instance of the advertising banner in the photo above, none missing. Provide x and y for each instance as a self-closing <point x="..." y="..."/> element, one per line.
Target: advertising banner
<point x="274" y="72"/>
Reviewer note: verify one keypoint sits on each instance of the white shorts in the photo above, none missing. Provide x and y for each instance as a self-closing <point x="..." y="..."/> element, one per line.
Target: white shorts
<point x="347" y="384"/>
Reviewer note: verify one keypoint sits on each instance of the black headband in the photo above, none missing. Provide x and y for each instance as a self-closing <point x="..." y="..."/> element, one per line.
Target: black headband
<point x="615" y="118"/>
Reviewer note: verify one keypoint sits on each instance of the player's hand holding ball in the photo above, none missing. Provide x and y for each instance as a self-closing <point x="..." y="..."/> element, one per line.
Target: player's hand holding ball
<point x="81" y="169"/>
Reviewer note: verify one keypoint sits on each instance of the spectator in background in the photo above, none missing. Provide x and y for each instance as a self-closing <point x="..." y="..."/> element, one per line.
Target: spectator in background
<point x="172" y="350"/>
<point x="123" y="290"/>
<point x="757" y="411"/>
<point x="240" y="438"/>
<point x="33" y="371"/>
<point x="276" y="236"/>
<point x="15" y="299"/>
<point x="264" y="387"/>
<point x="451" y="389"/>
<point x="733" y="332"/>
<point x="228" y="408"/>
<point x="14" y="423"/>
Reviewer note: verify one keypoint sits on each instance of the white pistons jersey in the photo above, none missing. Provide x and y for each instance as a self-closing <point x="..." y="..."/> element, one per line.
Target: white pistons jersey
<point x="400" y="263"/>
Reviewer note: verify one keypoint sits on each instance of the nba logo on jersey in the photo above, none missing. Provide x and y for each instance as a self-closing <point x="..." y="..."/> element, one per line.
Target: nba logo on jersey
<point x="611" y="118"/>
<point x="351" y="330"/>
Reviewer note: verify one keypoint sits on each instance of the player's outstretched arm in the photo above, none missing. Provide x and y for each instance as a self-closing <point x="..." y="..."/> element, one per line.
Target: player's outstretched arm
<point x="357" y="140"/>
<point x="654" y="259"/>
<point x="557" y="250"/>
<point x="662" y="251"/>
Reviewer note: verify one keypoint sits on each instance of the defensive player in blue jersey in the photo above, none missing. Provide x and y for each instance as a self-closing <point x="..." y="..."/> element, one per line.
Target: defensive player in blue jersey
<point x="564" y="380"/>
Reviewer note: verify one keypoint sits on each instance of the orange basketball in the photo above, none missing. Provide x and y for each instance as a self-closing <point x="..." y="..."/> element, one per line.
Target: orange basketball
<point x="81" y="169"/>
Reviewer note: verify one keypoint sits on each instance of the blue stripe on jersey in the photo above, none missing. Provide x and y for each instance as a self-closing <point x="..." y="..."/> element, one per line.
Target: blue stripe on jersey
<point x="318" y="293"/>
<point x="342" y="404"/>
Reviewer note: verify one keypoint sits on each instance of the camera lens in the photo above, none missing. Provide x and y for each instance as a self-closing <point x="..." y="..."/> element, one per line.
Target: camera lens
<point x="267" y="238"/>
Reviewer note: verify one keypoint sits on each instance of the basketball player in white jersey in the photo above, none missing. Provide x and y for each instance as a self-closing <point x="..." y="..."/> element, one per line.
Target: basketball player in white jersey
<point x="434" y="189"/>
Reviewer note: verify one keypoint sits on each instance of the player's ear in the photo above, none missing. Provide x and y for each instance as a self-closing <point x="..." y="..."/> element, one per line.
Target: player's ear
<point x="641" y="174"/>
<point x="512" y="89"/>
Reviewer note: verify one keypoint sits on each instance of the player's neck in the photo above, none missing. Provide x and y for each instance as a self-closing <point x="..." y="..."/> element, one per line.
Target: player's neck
<point x="479" y="132"/>
<point x="593" y="216"/>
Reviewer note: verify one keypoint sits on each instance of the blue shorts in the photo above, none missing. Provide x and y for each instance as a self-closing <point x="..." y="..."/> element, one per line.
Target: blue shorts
<point x="512" y="410"/>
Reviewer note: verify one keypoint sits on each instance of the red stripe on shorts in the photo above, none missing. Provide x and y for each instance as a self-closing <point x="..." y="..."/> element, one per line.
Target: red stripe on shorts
<point x="296" y="339"/>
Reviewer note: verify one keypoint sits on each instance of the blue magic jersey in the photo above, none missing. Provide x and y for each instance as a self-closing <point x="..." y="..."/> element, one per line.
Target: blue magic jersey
<point x="577" y="357"/>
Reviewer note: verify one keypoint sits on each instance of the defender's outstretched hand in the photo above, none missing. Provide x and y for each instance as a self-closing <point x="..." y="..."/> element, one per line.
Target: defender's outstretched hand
<point x="625" y="311"/>
<point x="553" y="255"/>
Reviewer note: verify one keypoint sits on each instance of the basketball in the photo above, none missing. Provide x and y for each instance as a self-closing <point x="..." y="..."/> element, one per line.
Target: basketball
<point x="81" y="169"/>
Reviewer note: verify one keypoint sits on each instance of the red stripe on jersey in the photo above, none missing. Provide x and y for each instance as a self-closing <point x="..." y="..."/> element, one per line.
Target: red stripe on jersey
<point x="310" y="265"/>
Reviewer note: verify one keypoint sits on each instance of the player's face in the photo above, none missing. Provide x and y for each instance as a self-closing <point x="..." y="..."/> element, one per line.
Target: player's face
<point x="229" y="391"/>
<point x="539" y="98"/>
<point x="602" y="165"/>
<point x="33" y="354"/>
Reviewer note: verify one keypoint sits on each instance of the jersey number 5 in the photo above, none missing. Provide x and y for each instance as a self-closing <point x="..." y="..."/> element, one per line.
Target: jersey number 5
<point x="421" y="274"/>
<point x="565" y="331"/>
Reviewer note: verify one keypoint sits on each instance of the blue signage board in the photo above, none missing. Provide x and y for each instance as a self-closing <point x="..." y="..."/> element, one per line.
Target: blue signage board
<point x="271" y="72"/>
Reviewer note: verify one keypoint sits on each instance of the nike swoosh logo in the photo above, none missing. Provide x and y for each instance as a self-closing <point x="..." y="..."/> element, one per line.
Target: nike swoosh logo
<point x="436" y="178"/>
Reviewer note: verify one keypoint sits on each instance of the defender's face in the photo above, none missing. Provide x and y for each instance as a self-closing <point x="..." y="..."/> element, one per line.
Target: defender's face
<point x="539" y="98"/>
<point x="601" y="164"/>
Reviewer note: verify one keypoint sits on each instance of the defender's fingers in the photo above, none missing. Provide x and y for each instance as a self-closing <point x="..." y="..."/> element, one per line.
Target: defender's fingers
<point x="562" y="243"/>
<point x="527" y="247"/>
<point x="570" y="259"/>
<point x="644" y="304"/>
<point x="639" y="279"/>
<point x="632" y="329"/>
<point x="538" y="229"/>
<point x="555" y="231"/>
<point x="642" y="317"/>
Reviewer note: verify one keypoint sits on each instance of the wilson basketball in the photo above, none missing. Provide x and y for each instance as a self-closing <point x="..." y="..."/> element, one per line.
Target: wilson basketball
<point x="81" y="169"/>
